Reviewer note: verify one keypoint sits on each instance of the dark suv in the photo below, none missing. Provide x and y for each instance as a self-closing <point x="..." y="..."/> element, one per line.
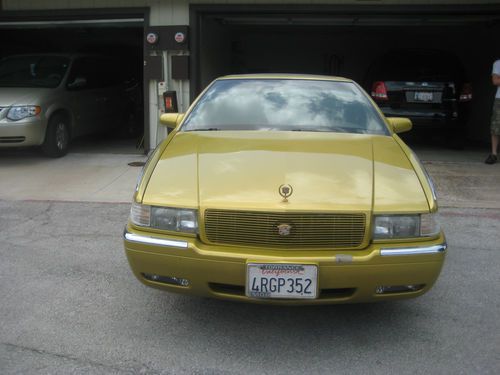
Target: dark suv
<point x="427" y="86"/>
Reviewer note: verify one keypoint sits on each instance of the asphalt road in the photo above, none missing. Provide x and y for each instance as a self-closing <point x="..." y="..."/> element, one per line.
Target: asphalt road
<point x="70" y="305"/>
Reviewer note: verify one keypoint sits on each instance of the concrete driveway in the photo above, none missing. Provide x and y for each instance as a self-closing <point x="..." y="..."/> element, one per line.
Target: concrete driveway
<point x="77" y="177"/>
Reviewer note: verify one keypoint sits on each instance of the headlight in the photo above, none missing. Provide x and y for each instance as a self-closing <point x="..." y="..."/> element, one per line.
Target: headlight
<point x="405" y="226"/>
<point x="18" y="113"/>
<point x="165" y="218"/>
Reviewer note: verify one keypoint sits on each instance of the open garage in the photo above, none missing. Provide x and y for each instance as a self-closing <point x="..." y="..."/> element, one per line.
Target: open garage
<point x="345" y="41"/>
<point x="117" y="36"/>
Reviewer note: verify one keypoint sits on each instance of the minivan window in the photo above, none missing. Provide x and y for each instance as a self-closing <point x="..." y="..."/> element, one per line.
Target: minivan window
<point x="33" y="71"/>
<point x="97" y="72"/>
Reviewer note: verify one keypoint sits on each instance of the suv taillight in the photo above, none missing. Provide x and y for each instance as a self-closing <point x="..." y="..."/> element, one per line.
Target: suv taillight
<point x="466" y="93"/>
<point x="379" y="91"/>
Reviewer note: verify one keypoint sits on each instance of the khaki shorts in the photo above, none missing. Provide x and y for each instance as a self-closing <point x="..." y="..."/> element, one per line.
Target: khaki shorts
<point x="495" y="118"/>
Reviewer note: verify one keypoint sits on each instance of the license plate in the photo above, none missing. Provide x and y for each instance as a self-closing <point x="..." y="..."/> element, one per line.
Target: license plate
<point x="423" y="96"/>
<point x="292" y="281"/>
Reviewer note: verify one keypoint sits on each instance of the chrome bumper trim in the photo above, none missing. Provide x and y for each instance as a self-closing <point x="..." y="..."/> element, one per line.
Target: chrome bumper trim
<point x="155" y="241"/>
<point x="436" y="249"/>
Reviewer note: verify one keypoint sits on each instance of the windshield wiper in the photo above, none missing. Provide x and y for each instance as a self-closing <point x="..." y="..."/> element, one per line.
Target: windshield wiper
<point x="309" y="130"/>
<point x="203" y="130"/>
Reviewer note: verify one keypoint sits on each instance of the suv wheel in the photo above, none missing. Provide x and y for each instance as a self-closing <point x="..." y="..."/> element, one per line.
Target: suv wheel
<point x="57" y="137"/>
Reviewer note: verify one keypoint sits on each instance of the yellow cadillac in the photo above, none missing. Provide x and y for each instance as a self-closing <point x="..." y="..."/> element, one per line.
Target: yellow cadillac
<point x="285" y="189"/>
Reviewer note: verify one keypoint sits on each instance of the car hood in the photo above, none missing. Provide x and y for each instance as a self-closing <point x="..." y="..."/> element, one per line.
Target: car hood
<point x="244" y="170"/>
<point x="22" y="95"/>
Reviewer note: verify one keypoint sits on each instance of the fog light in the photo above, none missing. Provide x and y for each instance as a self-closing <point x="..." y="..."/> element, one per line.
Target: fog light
<point x="166" y="279"/>
<point x="387" y="289"/>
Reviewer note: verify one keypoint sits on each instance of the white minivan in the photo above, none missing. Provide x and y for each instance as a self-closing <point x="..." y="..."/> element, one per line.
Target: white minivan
<point x="49" y="99"/>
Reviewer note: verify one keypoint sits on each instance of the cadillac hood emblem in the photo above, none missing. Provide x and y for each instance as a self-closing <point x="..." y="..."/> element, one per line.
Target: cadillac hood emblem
<point x="284" y="229"/>
<point x="285" y="191"/>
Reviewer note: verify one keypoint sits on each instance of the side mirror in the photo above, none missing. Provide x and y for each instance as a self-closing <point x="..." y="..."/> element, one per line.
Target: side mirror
<point x="400" y="124"/>
<point x="171" y="120"/>
<point x="78" y="83"/>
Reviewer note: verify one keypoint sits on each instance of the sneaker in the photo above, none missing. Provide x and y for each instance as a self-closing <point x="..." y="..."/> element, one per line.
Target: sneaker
<point x="491" y="159"/>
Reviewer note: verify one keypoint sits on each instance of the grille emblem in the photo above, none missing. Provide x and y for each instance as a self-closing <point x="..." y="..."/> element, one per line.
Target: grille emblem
<point x="284" y="229"/>
<point x="285" y="191"/>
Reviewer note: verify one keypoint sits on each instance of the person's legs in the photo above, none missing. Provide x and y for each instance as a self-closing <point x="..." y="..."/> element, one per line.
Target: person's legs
<point x="493" y="158"/>
<point x="494" y="144"/>
<point x="495" y="132"/>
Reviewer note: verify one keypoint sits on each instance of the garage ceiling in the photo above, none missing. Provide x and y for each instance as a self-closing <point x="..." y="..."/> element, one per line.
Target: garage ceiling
<point x="119" y="22"/>
<point x="356" y="20"/>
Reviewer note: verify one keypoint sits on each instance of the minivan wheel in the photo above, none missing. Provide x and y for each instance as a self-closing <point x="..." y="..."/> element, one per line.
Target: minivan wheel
<point x="56" y="137"/>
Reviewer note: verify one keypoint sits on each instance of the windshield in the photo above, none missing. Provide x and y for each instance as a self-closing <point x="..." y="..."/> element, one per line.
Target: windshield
<point x="33" y="71"/>
<point x="285" y="104"/>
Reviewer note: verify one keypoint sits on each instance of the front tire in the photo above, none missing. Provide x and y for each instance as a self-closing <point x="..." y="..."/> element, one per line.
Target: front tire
<point x="56" y="142"/>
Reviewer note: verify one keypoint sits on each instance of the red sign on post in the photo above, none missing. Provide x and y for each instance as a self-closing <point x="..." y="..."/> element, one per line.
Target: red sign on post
<point x="170" y="101"/>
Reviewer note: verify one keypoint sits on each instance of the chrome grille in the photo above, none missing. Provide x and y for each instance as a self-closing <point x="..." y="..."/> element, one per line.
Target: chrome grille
<point x="308" y="230"/>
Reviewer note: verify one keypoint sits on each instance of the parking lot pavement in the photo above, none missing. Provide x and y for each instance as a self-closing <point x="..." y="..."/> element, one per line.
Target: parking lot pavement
<point x="70" y="304"/>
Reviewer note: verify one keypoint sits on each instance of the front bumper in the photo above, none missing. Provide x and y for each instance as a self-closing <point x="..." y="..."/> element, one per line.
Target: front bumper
<point x="185" y="265"/>
<point x="27" y="132"/>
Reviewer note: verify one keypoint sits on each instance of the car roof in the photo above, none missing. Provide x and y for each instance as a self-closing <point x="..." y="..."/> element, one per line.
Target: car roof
<point x="309" y="77"/>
